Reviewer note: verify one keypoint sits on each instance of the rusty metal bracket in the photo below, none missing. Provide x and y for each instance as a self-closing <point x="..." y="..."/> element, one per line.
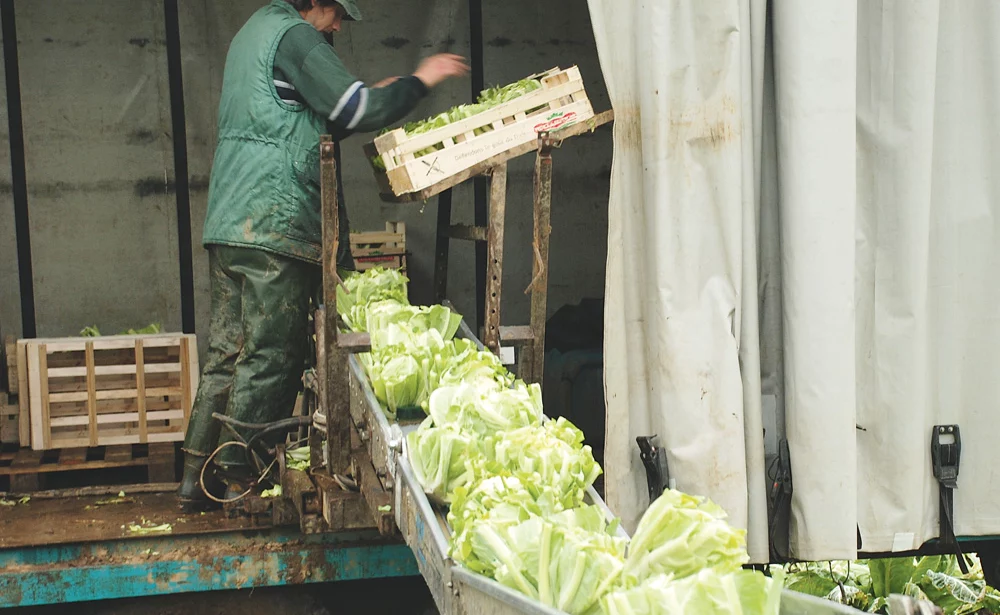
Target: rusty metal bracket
<point x="534" y="363"/>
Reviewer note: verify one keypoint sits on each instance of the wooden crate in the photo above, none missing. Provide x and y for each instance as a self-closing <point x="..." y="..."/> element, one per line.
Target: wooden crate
<point x="381" y="248"/>
<point x="560" y="102"/>
<point x="122" y="389"/>
<point x="26" y="467"/>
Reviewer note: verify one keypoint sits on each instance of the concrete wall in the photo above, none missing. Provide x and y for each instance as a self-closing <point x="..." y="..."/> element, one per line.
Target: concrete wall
<point x="100" y="161"/>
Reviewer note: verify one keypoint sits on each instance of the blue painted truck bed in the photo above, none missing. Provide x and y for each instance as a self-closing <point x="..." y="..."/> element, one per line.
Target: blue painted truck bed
<point x="70" y="550"/>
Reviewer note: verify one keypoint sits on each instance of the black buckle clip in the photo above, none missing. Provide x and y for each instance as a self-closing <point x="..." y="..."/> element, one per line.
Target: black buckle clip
<point x="654" y="458"/>
<point x="946" y="454"/>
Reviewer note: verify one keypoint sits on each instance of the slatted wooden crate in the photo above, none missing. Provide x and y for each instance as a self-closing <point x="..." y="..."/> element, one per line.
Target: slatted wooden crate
<point x="381" y="248"/>
<point x="122" y="389"/>
<point x="561" y="101"/>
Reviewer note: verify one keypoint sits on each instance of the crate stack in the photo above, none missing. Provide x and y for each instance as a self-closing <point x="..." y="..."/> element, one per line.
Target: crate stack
<point x="89" y="403"/>
<point x="385" y="249"/>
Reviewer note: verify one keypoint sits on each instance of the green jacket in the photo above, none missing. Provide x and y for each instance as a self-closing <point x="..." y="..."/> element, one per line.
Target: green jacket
<point x="264" y="189"/>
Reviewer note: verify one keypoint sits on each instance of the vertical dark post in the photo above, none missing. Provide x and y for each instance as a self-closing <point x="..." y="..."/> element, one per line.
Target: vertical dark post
<point x="479" y="183"/>
<point x="540" y="270"/>
<point x="18" y="174"/>
<point x="494" y="264"/>
<point x="182" y="191"/>
<point x="442" y="247"/>
<point x="336" y="400"/>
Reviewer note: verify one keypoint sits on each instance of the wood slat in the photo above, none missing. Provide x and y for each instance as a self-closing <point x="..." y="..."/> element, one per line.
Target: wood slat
<point x="125" y="417"/>
<point x="168" y="436"/>
<point x="39" y="384"/>
<point x="10" y="350"/>
<point x="117" y="394"/>
<point x="72" y="456"/>
<point x="117" y="342"/>
<point x="26" y="459"/>
<point x="376" y="237"/>
<point x="140" y="387"/>
<point x="116" y="370"/>
<point x="118" y="453"/>
<point x="516" y="334"/>
<point x="91" y="395"/>
<point x="23" y="398"/>
<point x="186" y="377"/>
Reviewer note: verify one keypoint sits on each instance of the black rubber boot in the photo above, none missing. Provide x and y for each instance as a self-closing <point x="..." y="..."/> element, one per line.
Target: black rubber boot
<point x="190" y="494"/>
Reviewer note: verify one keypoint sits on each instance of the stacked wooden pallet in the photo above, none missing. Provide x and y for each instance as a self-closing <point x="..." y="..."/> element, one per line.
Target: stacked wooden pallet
<point x="96" y="403"/>
<point x="26" y="467"/>
<point x="381" y="249"/>
<point x="415" y="162"/>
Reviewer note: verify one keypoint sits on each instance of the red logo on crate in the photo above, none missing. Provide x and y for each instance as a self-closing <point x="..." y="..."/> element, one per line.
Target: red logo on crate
<point x="554" y="123"/>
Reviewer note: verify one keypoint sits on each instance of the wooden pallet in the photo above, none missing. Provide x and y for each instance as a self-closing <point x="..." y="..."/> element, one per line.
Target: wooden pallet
<point x="121" y="389"/>
<point x="381" y="248"/>
<point x="560" y="102"/>
<point x="26" y="467"/>
<point x="9" y="415"/>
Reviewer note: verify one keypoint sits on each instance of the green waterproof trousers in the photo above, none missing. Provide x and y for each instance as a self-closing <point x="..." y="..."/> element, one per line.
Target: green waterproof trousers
<point x="258" y="345"/>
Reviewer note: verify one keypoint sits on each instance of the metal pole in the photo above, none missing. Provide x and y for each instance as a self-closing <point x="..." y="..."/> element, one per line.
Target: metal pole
<point x="18" y="175"/>
<point x="479" y="183"/>
<point x="182" y="190"/>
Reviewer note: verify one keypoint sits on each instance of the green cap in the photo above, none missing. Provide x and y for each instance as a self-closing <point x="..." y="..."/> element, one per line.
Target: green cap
<point x="353" y="14"/>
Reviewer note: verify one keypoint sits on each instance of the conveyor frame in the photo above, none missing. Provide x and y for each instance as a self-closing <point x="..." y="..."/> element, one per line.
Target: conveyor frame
<point x="355" y="423"/>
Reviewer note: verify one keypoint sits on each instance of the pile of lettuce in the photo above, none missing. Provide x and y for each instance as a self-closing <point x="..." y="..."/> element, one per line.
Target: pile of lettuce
<point x="488" y="98"/>
<point x="866" y="585"/>
<point x="515" y="482"/>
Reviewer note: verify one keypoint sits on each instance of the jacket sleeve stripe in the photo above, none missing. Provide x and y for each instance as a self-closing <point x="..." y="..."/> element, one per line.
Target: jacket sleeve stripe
<point x="360" y="111"/>
<point x="349" y="98"/>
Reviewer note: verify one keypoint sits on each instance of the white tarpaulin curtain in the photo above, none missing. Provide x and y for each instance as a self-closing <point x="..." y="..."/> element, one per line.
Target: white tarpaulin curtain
<point x="803" y="239"/>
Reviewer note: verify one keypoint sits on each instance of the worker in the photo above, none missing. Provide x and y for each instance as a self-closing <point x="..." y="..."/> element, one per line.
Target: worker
<point x="283" y="86"/>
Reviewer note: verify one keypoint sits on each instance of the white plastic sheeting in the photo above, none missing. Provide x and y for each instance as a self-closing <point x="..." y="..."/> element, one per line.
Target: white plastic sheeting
<point x="803" y="206"/>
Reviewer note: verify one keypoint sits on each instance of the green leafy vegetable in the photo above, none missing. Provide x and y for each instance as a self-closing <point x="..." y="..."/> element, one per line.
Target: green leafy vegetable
<point x="152" y="329"/>
<point x="442" y="458"/>
<point x="866" y="585"/>
<point x="485" y="408"/>
<point x="515" y="482"/>
<point x="548" y="457"/>
<point x="374" y="285"/>
<point x="273" y="492"/>
<point x="488" y="99"/>
<point x="566" y="560"/>
<point x="680" y="535"/>
<point x="707" y="592"/>
<point x="297" y="459"/>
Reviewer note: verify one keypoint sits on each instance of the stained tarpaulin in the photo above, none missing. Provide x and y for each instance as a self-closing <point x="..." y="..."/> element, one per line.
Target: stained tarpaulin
<point x="803" y="238"/>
